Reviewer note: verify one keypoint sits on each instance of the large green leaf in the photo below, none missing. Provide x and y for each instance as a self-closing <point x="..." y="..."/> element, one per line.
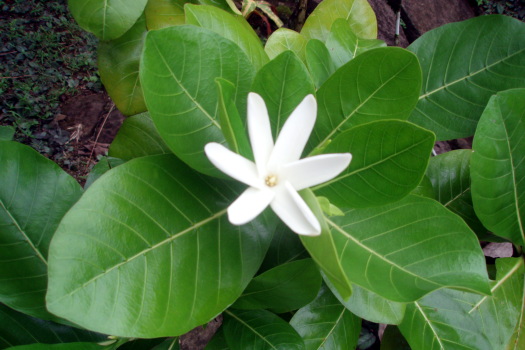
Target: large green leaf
<point x="283" y="83"/>
<point x="450" y="319"/>
<point x="326" y="324"/>
<point x="230" y="26"/>
<point x="284" y="288"/>
<point x="259" y="329"/>
<point x="382" y="83"/>
<point x="450" y="176"/>
<point x="118" y="65"/>
<point x="285" y="247"/>
<point x="370" y="306"/>
<point x="137" y="137"/>
<point x="20" y="329"/>
<point x="34" y="196"/>
<point x="401" y="251"/>
<point x="284" y="39"/>
<point x="498" y="166"/>
<point x="357" y="13"/>
<point x="389" y="160"/>
<point x="319" y="62"/>
<point x="463" y="65"/>
<point x="103" y="165"/>
<point x="107" y="19"/>
<point x="165" y="13"/>
<point x="344" y="45"/>
<point x="148" y="251"/>
<point x="180" y="91"/>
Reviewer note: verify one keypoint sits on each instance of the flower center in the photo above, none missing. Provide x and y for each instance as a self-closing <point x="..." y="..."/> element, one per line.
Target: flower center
<point x="270" y="180"/>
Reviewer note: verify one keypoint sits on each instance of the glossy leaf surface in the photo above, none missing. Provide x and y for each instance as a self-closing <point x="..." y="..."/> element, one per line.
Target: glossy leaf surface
<point x="379" y="84"/>
<point x="344" y="45"/>
<point x="107" y="19"/>
<point x="326" y="324"/>
<point x="259" y="329"/>
<point x="230" y="121"/>
<point x="463" y="65"/>
<point x="319" y="62"/>
<point x="165" y="13"/>
<point x="283" y="83"/>
<point x="20" y="329"/>
<point x="137" y="137"/>
<point x="401" y="251"/>
<point x="284" y="288"/>
<point x="118" y="65"/>
<point x="285" y="247"/>
<point x="180" y="91"/>
<point x="34" y="196"/>
<point x="450" y="319"/>
<point x="389" y="159"/>
<point x="357" y="13"/>
<point x="103" y="165"/>
<point x="498" y="166"/>
<point x="230" y="26"/>
<point x="370" y="306"/>
<point x="284" y="39"/>
<point x="135" y="265"/>
<point x="450" y="176"/>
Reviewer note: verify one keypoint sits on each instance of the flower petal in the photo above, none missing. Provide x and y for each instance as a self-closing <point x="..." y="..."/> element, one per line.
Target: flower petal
<point x="232" y="164"/>
<point x="260" y="131"/>
<point x="294" y="212"/>
<point x="249" y="204"/>
<point x="294" y="133"/>
<point x="315" y="170"/>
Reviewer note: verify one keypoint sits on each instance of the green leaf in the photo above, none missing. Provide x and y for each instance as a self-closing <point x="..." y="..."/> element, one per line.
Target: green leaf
<point x="107" y="19"/>
<point x="379" y="84"/>
<point x="165" y="13"/>
<point x="370" y="306"/>
<point x="104" y="164"/>
<point x="463" y="65"/>
<point x="137" y="137"/>
<point x="424" y="188"/>
<point x="222" y="4"/>
<point x="283" y="83"/>
<point x="393" y="340"/>
<point x="343" y="45"/>
<point x="450" y="176"/>
<point x="450" y="319"/>
<point x="231" y="124"/>
<point x="34" y="196"/>
<point x="70" y="346"/>
<point x="229" y="26"/>
<point x="118" y="65"/>
<point x="218" y="342"/>
<point x="389" y="160"/>
<point x="259" y="329"/>
<point x="319" y="62"/>
<point x="498" y="166"/>
<point x="158" y="258"/>
<point x="284" y="288"/>
<point x="401" y="251"/>
<point x="6" y="133"/>
<point x="284" y="39"/>
<point x="285" y="247"/>
<point x="168" y="344"/>
<point x="20" y="329"/>
<point x="180" y="89"/>
<point x="326" y="324"/>
<point x="357" y="13"/>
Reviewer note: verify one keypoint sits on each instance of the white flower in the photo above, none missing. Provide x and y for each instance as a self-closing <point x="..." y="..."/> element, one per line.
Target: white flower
<point x="277" y="173"/>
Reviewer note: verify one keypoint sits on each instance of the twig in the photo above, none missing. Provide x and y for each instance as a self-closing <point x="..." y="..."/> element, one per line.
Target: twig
<point x="98" y="134"/>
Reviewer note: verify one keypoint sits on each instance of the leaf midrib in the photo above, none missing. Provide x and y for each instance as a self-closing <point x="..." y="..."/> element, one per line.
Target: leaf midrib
<point x="427" y="320"/>
<point x="468" y="75"/>
<point x="145" y="251"/>
<point x="241" y="321"/>
<point x="22" y="232"/>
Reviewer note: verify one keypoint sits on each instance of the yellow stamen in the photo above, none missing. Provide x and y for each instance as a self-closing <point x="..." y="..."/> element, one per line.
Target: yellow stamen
<point x="270" y="180"/>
